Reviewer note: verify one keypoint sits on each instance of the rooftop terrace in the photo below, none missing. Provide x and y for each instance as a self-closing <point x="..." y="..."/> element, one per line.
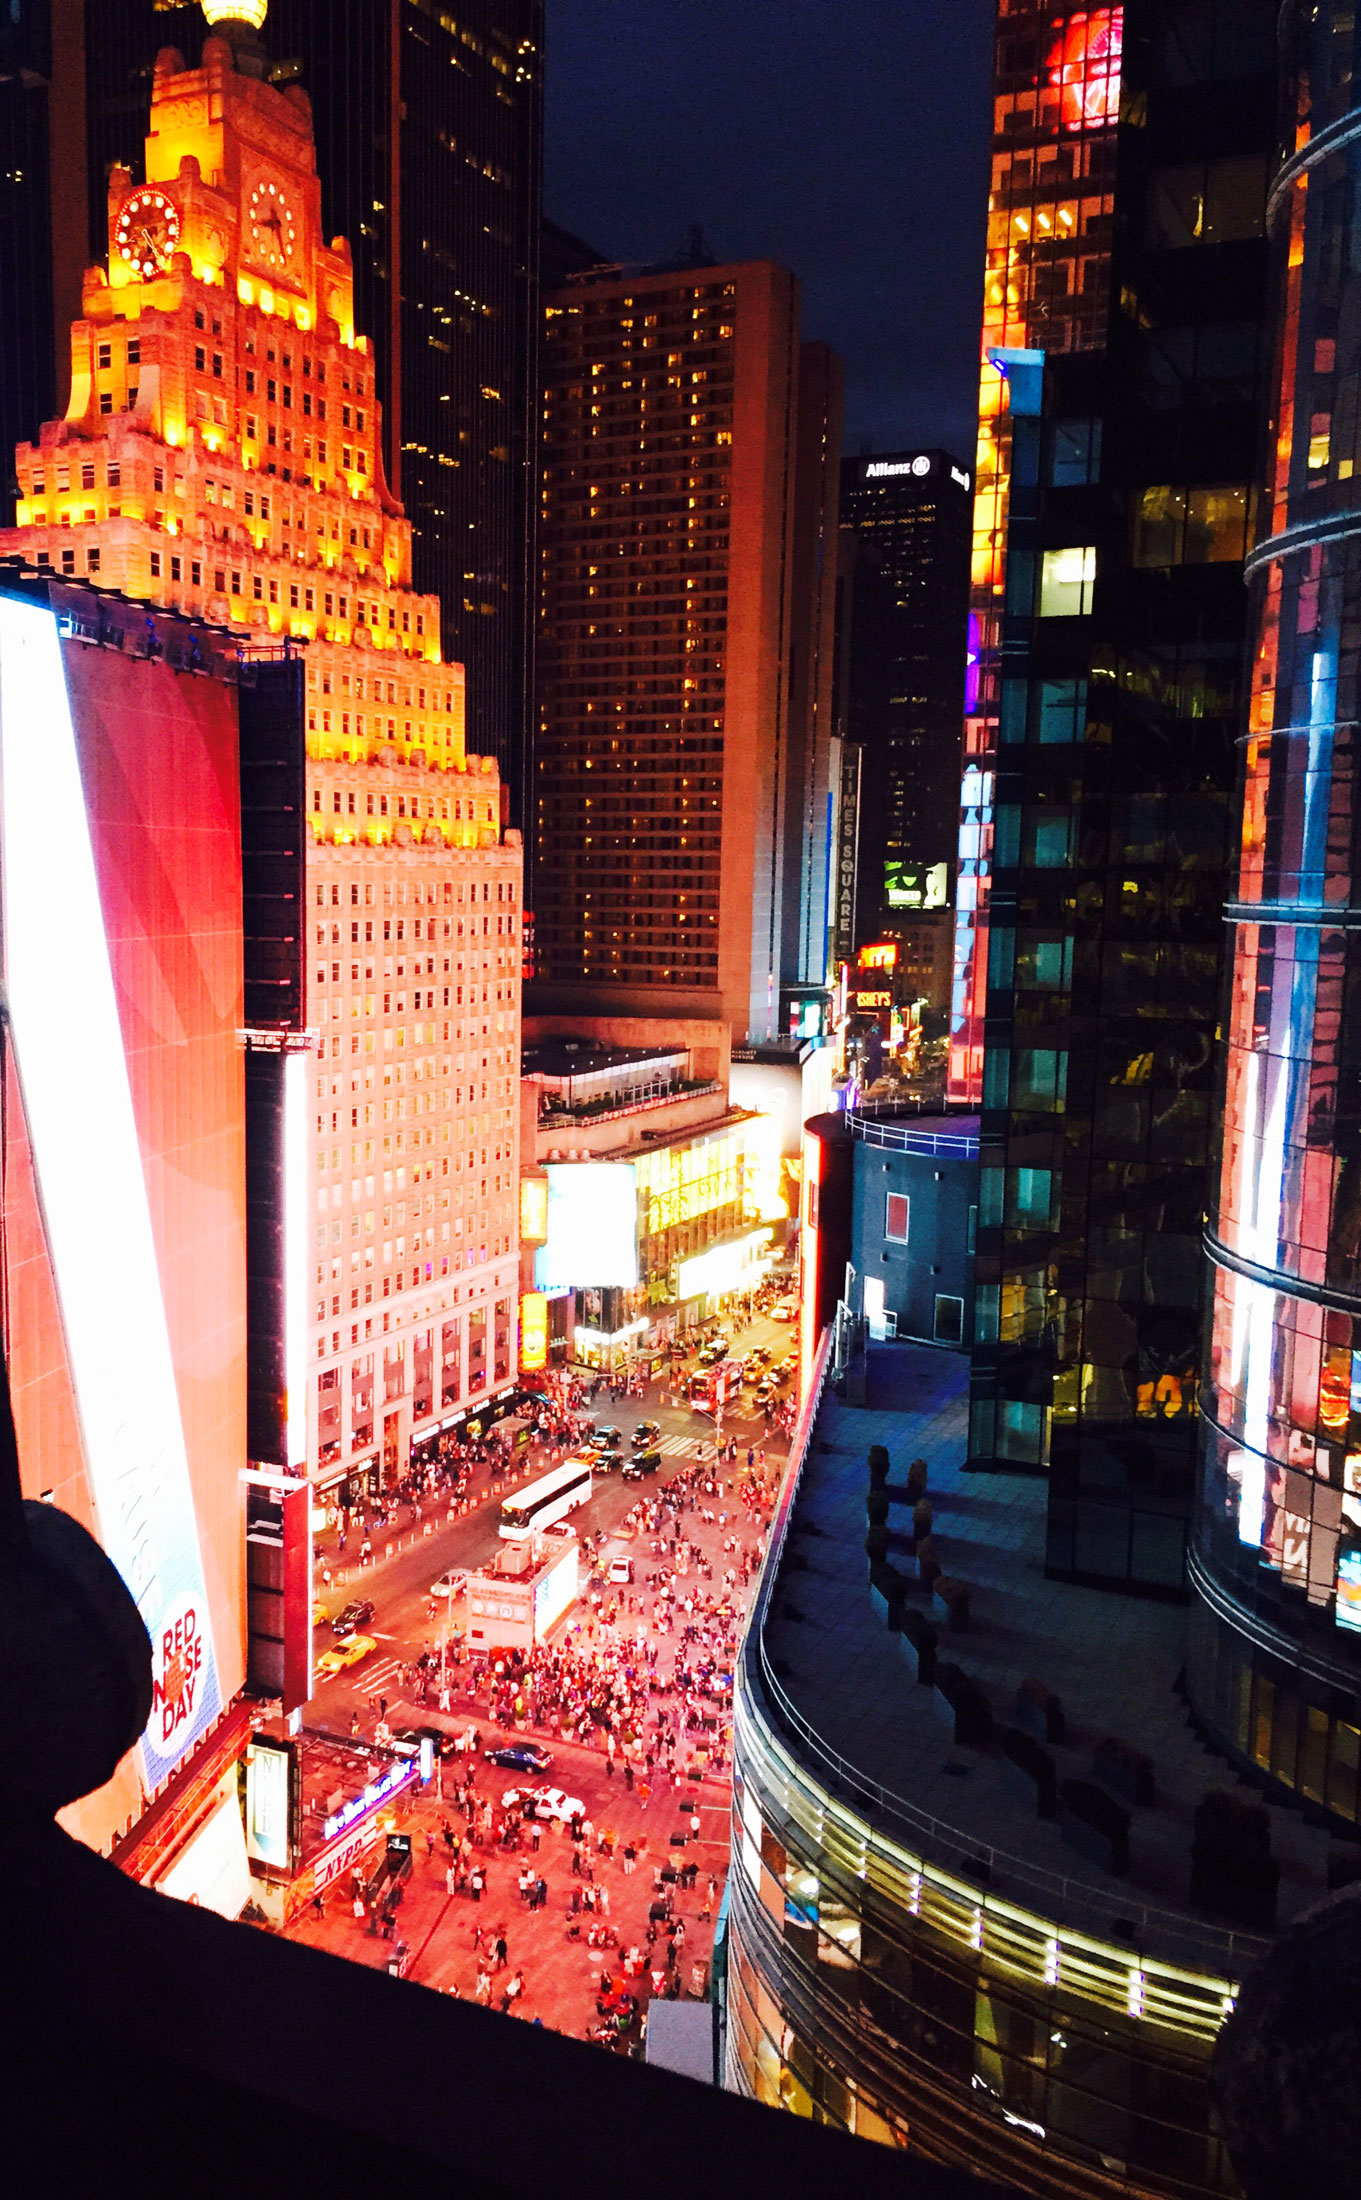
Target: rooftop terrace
<point x="862" y="1722"/>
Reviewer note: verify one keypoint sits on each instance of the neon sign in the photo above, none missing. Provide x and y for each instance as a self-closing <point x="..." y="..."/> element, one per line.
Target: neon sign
<point x="378" y="1791"/>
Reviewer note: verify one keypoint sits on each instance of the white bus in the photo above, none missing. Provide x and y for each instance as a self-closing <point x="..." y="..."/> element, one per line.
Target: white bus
<point x="540" y="1503"/>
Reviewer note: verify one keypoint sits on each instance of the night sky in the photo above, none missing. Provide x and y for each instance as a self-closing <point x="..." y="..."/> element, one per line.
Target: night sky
<point x="847" y="138"/>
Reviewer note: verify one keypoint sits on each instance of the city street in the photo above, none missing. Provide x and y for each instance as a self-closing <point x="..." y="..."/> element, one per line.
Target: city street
<point x="669" y="1823"/>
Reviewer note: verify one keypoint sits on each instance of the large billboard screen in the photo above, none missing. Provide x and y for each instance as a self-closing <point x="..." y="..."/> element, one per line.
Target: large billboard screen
<point x="592" y="1226"/>
<point x="120" y="870"/>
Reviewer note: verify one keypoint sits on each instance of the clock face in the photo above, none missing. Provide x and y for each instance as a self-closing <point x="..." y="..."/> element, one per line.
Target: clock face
<point x="273" y="226"/>
<point x="147" y="231"/>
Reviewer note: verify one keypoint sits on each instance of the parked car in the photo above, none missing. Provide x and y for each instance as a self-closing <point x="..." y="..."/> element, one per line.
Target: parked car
<point x="786" y="1311"/>
<point x="520" y="1757"/>
<point x="352" y="1616"/>
<point x="646" y="1432"/>
<point x="343" y="1654"/>
<point x="621" y="1571"/>
<point x="543" y="1803"/>
<point x="642" y="1462"/>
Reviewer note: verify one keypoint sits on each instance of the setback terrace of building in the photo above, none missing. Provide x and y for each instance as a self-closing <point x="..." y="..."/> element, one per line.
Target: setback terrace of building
<point x="861" y="1722"/>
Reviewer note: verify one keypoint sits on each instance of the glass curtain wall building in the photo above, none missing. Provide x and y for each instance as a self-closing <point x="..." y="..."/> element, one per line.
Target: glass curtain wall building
<point x="909" y="514"/>
<point x="1051" y="210"/>
<point x="1275" y="1668"/>
<point x="1112" y="681"/>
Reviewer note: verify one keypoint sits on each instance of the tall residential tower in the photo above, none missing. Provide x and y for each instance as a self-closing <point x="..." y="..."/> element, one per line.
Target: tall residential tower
<point x="688" y="546"/>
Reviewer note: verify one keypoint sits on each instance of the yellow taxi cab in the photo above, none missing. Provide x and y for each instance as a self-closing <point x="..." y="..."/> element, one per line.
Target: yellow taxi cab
<point x="342" y="1654"/>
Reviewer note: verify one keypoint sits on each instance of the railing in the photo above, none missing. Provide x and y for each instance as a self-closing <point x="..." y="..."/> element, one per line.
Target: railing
<point x="585" y="1117"/>
<point x="880" y="1130"/>
<point x="1219" y="1956"/>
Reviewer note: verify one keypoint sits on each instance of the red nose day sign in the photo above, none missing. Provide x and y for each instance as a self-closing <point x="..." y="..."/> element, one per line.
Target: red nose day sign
<point x="68" y="1044"/>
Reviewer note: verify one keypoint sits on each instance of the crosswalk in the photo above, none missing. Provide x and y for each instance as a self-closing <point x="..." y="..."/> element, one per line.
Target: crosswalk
<point x="379" y="1679"/>
<point x="681" y="1447"/>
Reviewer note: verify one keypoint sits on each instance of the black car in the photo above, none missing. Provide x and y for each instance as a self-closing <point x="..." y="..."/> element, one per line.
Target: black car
<point x="520" y="1756"/>
<point x="606" y="1439"/>
<point x="642" y="1462"/>
<point x="351" y="1617"/>
<point x="406" y="1740"/>
<point x="646" y="1433"/>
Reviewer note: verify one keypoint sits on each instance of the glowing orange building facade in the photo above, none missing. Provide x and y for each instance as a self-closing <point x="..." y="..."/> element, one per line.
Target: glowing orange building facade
<point x="221" y="457"/>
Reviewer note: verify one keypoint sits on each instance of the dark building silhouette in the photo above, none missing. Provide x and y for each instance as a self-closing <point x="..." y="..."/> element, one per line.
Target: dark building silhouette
<point x="42" y="215"/>
<point x="429" y="129"/>
<point x="907" y="515"/>
<point x="1126" y="277"/>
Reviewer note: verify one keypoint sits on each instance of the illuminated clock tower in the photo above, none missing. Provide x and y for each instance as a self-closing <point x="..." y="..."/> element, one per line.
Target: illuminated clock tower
<point x="221" y="456"/>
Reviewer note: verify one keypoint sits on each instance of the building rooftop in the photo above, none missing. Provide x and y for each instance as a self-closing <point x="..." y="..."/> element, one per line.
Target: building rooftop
<point x="910" y="1130"/>
<point x="778" y="1052"/>
<point x="577" y="1059"/>
<point x="1114" y="1661"/>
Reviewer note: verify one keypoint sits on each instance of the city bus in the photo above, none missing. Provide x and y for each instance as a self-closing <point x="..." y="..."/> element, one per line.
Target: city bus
<point x="542" y="1502"/>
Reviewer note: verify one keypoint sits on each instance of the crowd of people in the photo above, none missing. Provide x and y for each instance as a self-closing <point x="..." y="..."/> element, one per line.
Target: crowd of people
<point x="641" y="1677"/>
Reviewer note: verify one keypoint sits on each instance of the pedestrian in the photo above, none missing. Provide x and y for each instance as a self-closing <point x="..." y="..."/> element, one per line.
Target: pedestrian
<point x="358" y="1908"/>
<point x="450" y="1878"/>
<point x="429" y="1843"/>
<point x="499" y="1949"/>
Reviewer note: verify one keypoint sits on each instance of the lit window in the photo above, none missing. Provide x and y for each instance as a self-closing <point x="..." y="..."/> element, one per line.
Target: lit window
<point x="897" y="1207"/>
<point x="1067" y="580"/>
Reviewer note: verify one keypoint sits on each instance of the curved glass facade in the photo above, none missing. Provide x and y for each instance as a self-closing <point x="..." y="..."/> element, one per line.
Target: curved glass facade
<point x="1275" y="1664"/>
<point x="871" y="1983"/>
<point x="870" y="1989"/>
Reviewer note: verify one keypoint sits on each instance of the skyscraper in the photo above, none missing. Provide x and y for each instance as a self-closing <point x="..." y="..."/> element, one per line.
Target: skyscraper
<point x="222" y="457"/>
<point x="685" y="675"/>
<point x="428" y="131"/>
<point x="1125" y="293"/>
<point x="42" y="213"/>
<point x="1275" y="1658"/>
<point x="909" y="512"/>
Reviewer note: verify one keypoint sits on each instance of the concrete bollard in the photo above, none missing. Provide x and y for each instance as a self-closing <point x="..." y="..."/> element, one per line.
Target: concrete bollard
<point x="428" y="1528"/>
<point x="388" y="1552"/>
